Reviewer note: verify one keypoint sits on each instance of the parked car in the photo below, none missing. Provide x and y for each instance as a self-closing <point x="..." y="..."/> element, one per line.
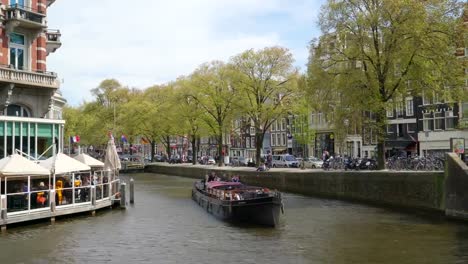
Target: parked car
<point x="313" y="162"/>
<point x="159" y="158"/>
<point x="284" y="161"/>
<point x="175" y="159"/>
<point x="211" y="161"/>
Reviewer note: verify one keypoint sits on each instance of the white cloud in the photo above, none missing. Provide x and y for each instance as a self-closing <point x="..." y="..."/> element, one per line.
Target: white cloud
<point x="141" y="43"/>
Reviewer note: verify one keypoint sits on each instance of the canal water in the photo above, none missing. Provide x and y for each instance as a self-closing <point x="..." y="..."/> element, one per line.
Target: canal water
<point x="166" y="226"/>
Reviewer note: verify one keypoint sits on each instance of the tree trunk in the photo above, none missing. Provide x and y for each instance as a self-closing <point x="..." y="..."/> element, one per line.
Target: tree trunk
<point x="220" y="149"/>
<point x="258" y="147"/>
<point x="168" y="147"/>
<point x="194" y="149"/>
<point x="153" y="151"/>
<point x="381" y="128"/>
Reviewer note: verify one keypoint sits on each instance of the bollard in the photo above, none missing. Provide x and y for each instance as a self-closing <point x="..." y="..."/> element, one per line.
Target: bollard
<point x="93" y="195"/>
<point x="52" y="200"/>
<point x="132" y="195"/>
<point x="122" y="195"/>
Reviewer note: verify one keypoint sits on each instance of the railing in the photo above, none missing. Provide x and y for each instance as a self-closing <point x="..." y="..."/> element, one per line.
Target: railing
<point x="27" y="13"/>
<point x="53" y="35"/>
<point x="47" y="79"/>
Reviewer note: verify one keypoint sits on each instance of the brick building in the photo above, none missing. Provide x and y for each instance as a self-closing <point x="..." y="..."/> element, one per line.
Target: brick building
<point x="30" y="101"/>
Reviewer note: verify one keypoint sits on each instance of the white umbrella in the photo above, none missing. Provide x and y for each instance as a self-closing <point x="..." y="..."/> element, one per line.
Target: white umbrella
<point x="61" y="164"/>
<point x="19" y="165"/>
<point x="88" y="160"/>
<point x="112" y="160"/>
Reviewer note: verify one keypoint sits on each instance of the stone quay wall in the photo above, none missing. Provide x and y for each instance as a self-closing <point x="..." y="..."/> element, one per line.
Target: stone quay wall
<point x="412" y="190"/>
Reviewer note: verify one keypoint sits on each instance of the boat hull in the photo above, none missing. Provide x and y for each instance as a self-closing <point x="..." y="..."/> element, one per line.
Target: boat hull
<point x="262" y="211"/>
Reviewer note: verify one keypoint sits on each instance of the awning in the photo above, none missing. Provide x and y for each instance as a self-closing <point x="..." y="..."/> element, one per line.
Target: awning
<point x="61" y="164"/>
<point x="17" y="165"/>
<point x="398" y="144"/>
<point x="88" y="160"/>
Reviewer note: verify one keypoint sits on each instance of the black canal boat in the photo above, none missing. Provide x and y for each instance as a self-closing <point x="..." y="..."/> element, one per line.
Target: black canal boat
<point x="236" y="202"/>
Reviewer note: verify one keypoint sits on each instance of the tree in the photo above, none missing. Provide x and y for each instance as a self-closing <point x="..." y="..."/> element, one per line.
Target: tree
<point x="373" y="52"/>
<point x="214" y="93"/>
<point x="147" y="115"/>
<point x="266" y="83"/>
<point x="189" y="112"/>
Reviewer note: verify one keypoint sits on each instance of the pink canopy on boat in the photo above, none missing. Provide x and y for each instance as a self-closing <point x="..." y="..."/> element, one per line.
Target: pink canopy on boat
<point x="214" y="184"/>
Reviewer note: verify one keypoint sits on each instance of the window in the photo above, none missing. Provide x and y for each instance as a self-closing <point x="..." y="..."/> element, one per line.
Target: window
<point x="400" y="130"/>
<point x="273" y="140"/>
<point x="283" y="139"/>
<point x="427" y="122"/>
<point x="312" y="119"/>
<point x="283" y="124"/>
<point x="426" y="99"/>
<point x="390" y="111"/>
<point x="252" y="131"/>
<point x="449" y="120"/>
<point x="438" y="121"/>
<point x="247" y="142"/>
<point x="17" y="2"/>
<point x="17" y="110"/>
<point x="399" y="108"/>
<point x="390" y="129"/>
<point x="17" y="51"/>
<point x="373" y="137"/>
<point x="465" y="110"/>
<point x="252" y="142"/>
<point x="320" y="118"/>
<point x="409" y="106"/>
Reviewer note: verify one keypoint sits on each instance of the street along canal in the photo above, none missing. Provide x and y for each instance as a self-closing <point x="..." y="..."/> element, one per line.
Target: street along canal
<point x="166" y="226"/>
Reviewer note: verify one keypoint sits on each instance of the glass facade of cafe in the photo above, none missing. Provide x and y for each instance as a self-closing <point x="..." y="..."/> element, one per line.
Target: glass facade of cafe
<point x="30" y="135"/>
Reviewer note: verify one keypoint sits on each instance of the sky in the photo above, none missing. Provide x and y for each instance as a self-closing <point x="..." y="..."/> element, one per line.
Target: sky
<point x="142" y="43"/>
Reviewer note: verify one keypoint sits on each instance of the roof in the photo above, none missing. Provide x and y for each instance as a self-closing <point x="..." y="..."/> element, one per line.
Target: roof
<point x="214" y="184"/>
<point x="88" y="160"/>
<point x="17" y="165"/>
<point x="62" y="163"/>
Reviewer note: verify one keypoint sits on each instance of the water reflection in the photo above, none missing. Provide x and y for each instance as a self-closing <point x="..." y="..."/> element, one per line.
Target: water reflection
<point x="165" y="226"/>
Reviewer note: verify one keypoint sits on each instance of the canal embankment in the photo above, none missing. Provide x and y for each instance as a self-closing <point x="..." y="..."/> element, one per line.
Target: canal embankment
<point x="422" y="190"/>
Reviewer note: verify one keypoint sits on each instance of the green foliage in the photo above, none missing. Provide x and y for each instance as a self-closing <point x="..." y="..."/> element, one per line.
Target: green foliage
<point x="373" y="53"/>
<point x="267" y="84"/>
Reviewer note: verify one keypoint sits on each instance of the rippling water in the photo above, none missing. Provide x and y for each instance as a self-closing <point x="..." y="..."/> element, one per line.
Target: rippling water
<point x="166" y="226"/>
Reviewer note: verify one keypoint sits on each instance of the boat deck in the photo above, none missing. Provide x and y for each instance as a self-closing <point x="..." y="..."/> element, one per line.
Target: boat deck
<point x="47" y="212"/>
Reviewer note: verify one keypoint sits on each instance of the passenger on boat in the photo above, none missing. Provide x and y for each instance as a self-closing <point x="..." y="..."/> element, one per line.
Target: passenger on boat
<point x="41" y="196"/>
<point x="211" y="177"/>
<point x="59" y="188"/>
<point x="235" y="178"/>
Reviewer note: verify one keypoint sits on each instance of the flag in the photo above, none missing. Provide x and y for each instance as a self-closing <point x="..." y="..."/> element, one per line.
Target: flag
<point x="123" y="138"/>
<point x="75" y="139"/>
<point x="144" y="141"/>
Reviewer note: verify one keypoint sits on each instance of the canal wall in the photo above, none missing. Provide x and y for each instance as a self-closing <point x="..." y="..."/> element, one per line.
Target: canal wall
<point x="456" y="187"/>
<point x="415" y="190"/>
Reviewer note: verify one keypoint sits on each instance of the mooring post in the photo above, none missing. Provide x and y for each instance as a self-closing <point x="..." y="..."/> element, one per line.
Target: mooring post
<point x="123" y="199"/>
<point x="52" y="200"/>
<point x="132" y="194"/>
<point x="93" y="196"/>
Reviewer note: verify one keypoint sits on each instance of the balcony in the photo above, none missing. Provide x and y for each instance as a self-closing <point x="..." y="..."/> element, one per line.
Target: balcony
<point x="28" y="78"/>
<point x="24" y="17"/>
<point x="53" y="40"/>
<point x="50" y="2"/>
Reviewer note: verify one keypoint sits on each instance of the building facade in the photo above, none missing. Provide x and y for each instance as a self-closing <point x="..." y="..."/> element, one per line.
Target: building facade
<point x="30" y="101"/>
